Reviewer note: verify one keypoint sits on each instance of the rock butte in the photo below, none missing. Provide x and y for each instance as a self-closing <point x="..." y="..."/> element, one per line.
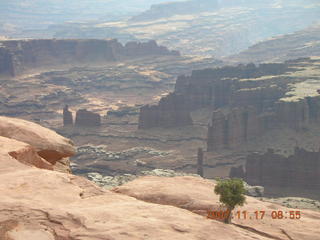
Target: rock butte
<point x="38" y="204"/>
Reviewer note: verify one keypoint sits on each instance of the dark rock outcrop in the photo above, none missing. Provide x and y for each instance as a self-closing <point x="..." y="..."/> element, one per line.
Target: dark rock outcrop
<point x="237" y="172"/>
<point x="6" y="62"/>
<point x="18" y="56"/>
<point x="246" y="100"/>
<point x="298" y="171"/>
<point x="229" y="129"/>
<point x="171" y="111"/>
<point x="222" y="86"/>
<point x="86" y="118"/>
<point x="67" y="117"/>
<point x="214" y="88"/>
<point x="298" y="114"/>
<point x="200" y="162"/>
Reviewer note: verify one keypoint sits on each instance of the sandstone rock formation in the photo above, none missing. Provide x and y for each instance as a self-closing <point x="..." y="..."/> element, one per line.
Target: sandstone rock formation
<point x="18" y="56"/>
<point x="46" y="143"/>
<point x="86" y="118"/>
<point x="237" y="172"/>
<point x="37" y="204"/>
<point x="228" y="130"/>
<point x="218" y="87"/>
<point x="246" y="100"/>
<point x="200" y="162"/>
<point x="299" y="113"/>
<point x="6" y="62"/>
<point x="171" y="111"/>
<point x="196" y="195"/>
<point x="215" y="88"/>
<point x="24" y="153"/>
<point x="298" y="171"/>
<point x="67" y="117"/>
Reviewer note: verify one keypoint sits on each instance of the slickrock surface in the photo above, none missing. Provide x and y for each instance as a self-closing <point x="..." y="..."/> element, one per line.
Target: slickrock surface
<point x="197" y="195"/>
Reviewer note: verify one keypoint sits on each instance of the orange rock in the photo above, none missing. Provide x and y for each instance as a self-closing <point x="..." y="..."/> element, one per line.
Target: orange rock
<point x="197" y="195"/>
<point x="38" y="204"/>
<point x="48" y="144"/>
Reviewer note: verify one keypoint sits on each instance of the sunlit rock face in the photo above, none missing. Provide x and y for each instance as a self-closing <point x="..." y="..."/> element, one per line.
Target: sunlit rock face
<point x="19" y="56"/>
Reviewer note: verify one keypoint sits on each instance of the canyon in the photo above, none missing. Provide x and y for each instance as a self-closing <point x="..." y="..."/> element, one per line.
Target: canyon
<point x="193" y="102"/>
<point x="246" y="101"/>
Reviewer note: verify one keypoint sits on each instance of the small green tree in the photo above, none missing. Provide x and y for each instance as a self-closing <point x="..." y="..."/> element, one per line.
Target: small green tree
<point x="231" y="193"/>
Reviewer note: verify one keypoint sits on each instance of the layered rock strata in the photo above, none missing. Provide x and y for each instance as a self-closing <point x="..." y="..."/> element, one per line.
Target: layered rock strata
<point x="18" y="56"/>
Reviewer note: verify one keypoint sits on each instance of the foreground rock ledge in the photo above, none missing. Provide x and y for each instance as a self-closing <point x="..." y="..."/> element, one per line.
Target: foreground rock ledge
<point x="49" y="145"/>
<point x="39" y="204"/>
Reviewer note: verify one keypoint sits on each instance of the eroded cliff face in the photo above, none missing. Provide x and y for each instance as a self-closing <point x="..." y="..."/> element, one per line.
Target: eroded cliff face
<point x="246" y="101"/>
<point x="229" y="130"/>
<point x="18" y="56"/>
<point x="215" y="88"/>
<point x="298" y="171"/>
<point x="85" y="118"/>
<point x="172" y="111"/>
